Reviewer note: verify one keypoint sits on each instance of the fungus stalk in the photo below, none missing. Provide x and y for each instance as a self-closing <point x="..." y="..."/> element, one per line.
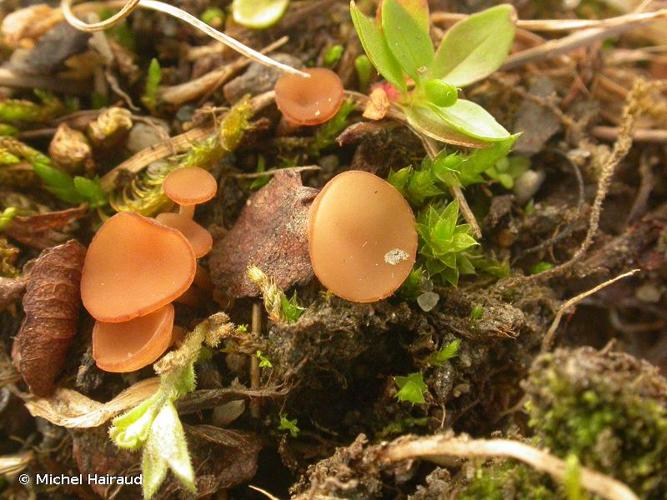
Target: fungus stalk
<point x="131" y="5"/>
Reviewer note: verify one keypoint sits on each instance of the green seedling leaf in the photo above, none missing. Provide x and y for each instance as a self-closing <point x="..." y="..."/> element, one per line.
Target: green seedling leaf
<point x="291" y="310"/>
<point x="130" y="430"/>
<point x="167" y="438"/>
<point x="333" y="55"/>
<point x="8" y="130"/>
<point x="411" y="388"/>
<point x="364" y="70"/>
<point x="57" y="182"/>
<point x="153" y="467"/>
<point x="407" y="39"/>
<point x="264" y="362"/>
<point x="289" y="425"/>
<point x="475" y="47"/>
<point x="258" y="14"/>
<point x="418" y="11"/>
<point x="152" y="83"/>
<point x="472" y="120"/>
<point x="90" y="191"/>
<point x="427" y="122"/>
<point x="6" y="217"/>
<point x="447" y="352"/>
<point x="376" y="48"/>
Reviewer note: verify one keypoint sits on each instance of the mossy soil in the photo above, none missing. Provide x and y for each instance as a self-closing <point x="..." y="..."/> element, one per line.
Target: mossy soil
<point x="333" y="371"/>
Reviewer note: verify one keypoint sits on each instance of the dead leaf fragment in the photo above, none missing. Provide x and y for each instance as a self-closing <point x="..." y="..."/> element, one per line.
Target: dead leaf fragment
<point x="71" y="409"/>
<point x="71" y="150"/>
<point x="11" y="290"/>
<point x="44" y="230"/>
<point x="51" y="305"/>
<point x="19" y="26"/>
<point x="378" y="104"/>
<point x="270" y="233"/>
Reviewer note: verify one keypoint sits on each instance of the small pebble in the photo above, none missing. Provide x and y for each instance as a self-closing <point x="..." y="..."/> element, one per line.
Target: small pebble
<point x="396" y="256"/>
<point x="527" y="185"/>
<point x="428" y="300"/>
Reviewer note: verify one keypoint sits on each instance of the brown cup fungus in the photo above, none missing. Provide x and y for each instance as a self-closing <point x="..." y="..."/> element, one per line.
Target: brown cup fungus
<point x="188" y="187"/>
<point x="200" y="239"/>
<point x="131" y="345"/>
<point x="309" y="101"/>
<point x="362" y="237"/>
<point x="135" y="266"/>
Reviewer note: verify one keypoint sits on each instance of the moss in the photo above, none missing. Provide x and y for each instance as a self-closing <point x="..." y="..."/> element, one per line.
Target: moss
<point x="609" y="409"/>
<point x="500" y="480"/>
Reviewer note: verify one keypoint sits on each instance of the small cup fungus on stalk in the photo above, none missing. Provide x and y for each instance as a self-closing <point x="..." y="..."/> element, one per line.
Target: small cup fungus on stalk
<point x="131" y="345"/>
<point x="309" y="101"/>
<point x="188" y="187"/>
<point x="362" y="237"/>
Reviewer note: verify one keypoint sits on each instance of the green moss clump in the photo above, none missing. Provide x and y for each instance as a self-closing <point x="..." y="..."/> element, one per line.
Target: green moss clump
<point x="608" y="409"/>
<point x="503" y="479"/>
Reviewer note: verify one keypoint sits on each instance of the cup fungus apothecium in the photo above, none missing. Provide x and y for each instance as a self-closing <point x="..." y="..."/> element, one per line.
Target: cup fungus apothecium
<point x="309" y="101"/>
<point x="200" y="239"/>
<point x="188" y="187"/>
<point x="133" y="267"/>
<point x="362" y="237"/>
<point x="131" y="345"/>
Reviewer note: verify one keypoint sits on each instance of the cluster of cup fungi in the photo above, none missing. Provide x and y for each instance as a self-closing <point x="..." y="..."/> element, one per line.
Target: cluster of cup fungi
<point x="361" y="232"/>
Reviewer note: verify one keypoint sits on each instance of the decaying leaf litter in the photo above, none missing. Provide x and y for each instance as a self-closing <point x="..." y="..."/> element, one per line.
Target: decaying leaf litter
<point x="523" y="357"/>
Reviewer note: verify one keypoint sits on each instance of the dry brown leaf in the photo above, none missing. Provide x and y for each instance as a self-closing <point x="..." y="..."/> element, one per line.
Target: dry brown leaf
<point x="11" y="290"/>
<point x="270" y="233"/>
<point x="18" y="28"/>
<point x="68" y="408"/>
<point x="51" y="304"/>
<point x="378" y="104"/>
<point x="44" y="230"/>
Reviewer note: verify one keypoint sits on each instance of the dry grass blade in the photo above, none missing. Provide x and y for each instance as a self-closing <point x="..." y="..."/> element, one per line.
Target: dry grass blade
<point x="71" y="409"/>
<point x="549" y="337"/>
<point x="13" y="464"/>
<point x="438" y="448"/>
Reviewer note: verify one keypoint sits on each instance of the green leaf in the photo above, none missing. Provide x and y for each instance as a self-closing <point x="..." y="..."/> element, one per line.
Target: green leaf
<point x="444" y="228"/>
<point x="475" y="47"/>
<point x="428" y="122"/>
<point x="57" y="182"/>
<point x="153" y="467"/>
<point x="463" y="241"/>
<point x="291" y="310"/>
<point x="407" y="39"/>
<point x="258" y="14"/>
<point x="264" y="362"/>
<point x="169" y="437"/>
<point x="376" y="48"/>
<point x="411" y="388"/>
<point x="446" y="353"/>
<point x="470" y="119"/>
<point x="90" y="190"/>
<point x="153" y="80"/>
<point x="289" y="425"/>
<point x="400" y="178"/>
<point x="130" y="430"/>
<point x="6" y="217"/>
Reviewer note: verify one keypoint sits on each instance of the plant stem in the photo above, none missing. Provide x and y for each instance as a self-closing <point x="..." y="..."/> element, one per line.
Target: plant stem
<point x="432" y="151"/>
<point x="254" y="362"/>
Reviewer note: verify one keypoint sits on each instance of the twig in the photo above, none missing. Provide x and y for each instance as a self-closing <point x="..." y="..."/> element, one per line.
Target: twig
<point x="437" y="448"/>
<point x="188" y="91"/>
<point x="561" y="24"/>
<point x="174" y="145"/>
<point x="548" y="339"/>
<point x="9" y="78"/>
<point x="655" y="136"/>
<point x="254" y="362"/>
<point x="131" y="5"/>
<point x="255" y="175"/>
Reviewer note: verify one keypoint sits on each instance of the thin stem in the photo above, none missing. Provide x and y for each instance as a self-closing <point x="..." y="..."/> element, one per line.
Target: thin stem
<point x="187" y="210"/>
<point x="165" y="8"/>
<point x="256" y="327"/>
